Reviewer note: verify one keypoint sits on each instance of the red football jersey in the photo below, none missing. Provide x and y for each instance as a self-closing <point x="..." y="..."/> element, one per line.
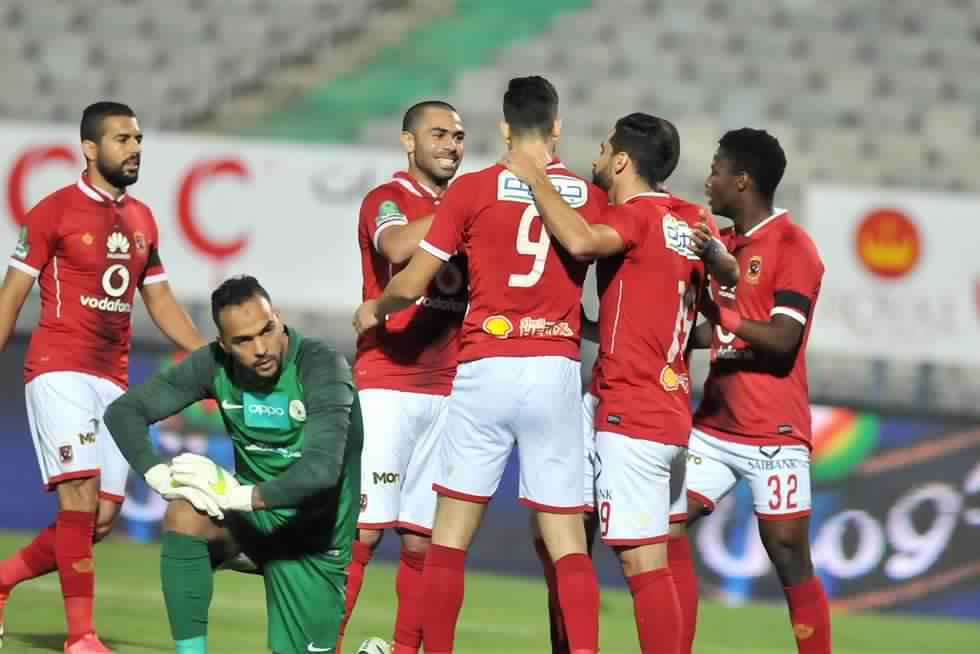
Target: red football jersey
<point x="524" y="290"/>
<point x="754" y="396"/>
<point x="415" y="349"/>
<point x="647" y="307"/>
<point x="89" y="254"/>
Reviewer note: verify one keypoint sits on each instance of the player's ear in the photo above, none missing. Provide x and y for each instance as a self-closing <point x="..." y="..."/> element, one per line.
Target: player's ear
<point x="90" y="149"/>
<point x="620" y="161"/>
<point x="408" y="142"/>
<point x="504" y="131"/>
<point x="556" y="128"/>
<point x="743" y="182"/>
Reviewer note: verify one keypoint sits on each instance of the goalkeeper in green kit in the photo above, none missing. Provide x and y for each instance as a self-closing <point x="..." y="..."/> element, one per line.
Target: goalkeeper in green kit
<point x="291" y="409"/>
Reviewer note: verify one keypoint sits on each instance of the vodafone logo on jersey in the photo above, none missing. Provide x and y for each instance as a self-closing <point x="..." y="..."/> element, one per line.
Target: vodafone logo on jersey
<point x="888" y="243"/>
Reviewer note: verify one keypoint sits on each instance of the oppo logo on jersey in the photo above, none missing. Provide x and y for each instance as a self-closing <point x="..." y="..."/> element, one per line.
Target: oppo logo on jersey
<point x="105" y="304"/>
<point x="266" y="410"/>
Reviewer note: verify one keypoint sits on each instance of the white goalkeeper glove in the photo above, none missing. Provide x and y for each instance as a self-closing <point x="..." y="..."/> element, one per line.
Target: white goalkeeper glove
<point x="202" y="473"/>
<point x="159" y="479"/>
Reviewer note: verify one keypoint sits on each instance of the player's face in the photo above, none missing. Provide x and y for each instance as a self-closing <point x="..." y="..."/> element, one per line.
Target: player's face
<point x="438" y="143"/>
<point x="118" y="152"/>
<point x="253" y="334"/>
<point x="602" y="174"/>
<point x="721" y="186"/>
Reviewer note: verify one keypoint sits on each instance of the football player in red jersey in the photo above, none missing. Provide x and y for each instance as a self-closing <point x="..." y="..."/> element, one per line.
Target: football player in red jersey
<point x="654" y="252"/>
<point x="518" y="379"/>
<point x="404" y="370"/>
<point x="754" y="420"/>
<point x="90" y="246"/>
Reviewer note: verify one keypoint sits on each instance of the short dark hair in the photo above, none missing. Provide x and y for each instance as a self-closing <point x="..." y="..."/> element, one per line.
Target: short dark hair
<point x="530" y="104"/>
<point x="414" y="114"/>
<point x="758" y="154"/>
<point x="651" y="142"/>
<point x="234" y="292"/>
<point x="96" y="113"/>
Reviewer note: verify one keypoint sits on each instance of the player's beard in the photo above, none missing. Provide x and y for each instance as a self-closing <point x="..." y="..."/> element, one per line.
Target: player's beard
<point x="600" y="180"/>
<point x="114" y="174"/>
<point x="439" y="176"/>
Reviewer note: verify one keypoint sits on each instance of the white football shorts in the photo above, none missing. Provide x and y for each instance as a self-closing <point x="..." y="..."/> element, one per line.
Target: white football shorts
<point x="639" y="489"/>
<point x="531" y="402"/>
<point x="402" y="431"/>
<point x="589" y="404"/>
<point x="64" y="410"/>
<point x="779" y="475"/>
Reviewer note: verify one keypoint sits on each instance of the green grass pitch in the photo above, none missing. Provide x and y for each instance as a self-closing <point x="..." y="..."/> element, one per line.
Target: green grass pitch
<point x="501" y="614"/>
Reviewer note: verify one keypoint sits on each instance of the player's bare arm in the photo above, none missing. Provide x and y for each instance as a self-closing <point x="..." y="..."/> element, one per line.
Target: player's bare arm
<point x="404" y="289"/>
<point x="16" y="287"/>
<point x="582" y="240"/>
<point x="399" y="242"/>
<point x="781" y="334"/>
<point x="170" y="316"/>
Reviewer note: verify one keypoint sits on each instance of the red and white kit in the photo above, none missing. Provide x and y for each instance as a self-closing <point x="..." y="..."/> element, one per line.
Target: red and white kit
<point x="519" y="379"/>
<point x="89" y="254"/>
<point x="404" y="369"/>
<point x="754" y="420"/>
<point x="647" y="306"/>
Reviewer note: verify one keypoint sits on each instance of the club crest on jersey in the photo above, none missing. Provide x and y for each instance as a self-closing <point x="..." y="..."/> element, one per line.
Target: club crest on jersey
<point x="498" y="326"/>
<point x="22" y="249"/>
<point x="754" y="270"/>
<point x="118" y="246"/>
<point x="139" y="240"/>
<point x="573" y="191"/>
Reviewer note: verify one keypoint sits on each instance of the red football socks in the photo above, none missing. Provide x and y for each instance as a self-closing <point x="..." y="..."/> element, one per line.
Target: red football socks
<point x="686" y="582"/>
<point x="442" y="583"/>
<point x="360" y="556"/>
<point x="559" y="639"/>
<point x="657" y="612"/>
<point x="809" y="613"/>
<point x="33" y="560"/>
<point x="411" y="599"/>
<point x="76" y="568"/>
<point x="578" y="594"/>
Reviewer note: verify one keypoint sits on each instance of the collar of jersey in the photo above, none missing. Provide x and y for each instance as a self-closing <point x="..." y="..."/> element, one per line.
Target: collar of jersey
<point x="294" y="338"/>
<point x="412" y="185"/>
<point x="659" y="198"/>
<point x="94" y="193"/>
<point x="756" y="231"/>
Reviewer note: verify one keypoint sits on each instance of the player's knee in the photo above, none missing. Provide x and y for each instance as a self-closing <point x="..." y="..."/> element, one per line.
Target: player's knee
<point x="181" y="517"/>
<point x="415" y="543"/>
<point x="78" y="494"/>
<point x="370" y="537"/>
<point x="789" y="551"/>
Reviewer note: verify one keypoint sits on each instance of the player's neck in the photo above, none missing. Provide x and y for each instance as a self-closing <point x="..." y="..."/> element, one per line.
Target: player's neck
<point x="98" y="181"/>
<point x="750" y="216"/>
<point x="534" y="146"/>
<point x="426" y="181"/>
<point x="623" y="191"/>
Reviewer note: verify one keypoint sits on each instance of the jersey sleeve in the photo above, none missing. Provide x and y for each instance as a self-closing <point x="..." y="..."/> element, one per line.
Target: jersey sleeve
<point x="379" y="211"/>
<point x="624" y="221"/>
<point x="446" y="233"/>
<point x="38" y="237"/>
<point x="330" y="399"/>
<point x="797" y="281"/>
<point x="129" y="417"/>
<point x="154" y="272"/>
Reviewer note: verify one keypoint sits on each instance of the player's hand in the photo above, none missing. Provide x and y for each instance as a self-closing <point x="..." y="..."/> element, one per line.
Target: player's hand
<point x="703" y="243"/>
<point x="527" y="167"/>
<point x="199" y="499"/>
<point x="366" y="317"/>
<point x="204" y="474"/>
<point x="158" y="478"/>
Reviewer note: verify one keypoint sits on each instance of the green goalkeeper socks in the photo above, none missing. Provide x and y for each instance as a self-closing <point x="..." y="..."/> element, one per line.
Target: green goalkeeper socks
<point x="185" y="573"/>
<point x="197" y="645"/>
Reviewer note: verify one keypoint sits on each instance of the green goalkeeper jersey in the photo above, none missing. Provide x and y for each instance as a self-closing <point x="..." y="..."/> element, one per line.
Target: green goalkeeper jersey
<point x="298" y="436"/>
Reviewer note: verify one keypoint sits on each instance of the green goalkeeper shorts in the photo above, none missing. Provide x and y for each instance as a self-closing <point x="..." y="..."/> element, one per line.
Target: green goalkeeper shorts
<point x="305" y="582"/>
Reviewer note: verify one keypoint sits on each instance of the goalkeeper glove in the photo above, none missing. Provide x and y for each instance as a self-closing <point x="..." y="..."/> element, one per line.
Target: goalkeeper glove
<point x="204" y="474"/>
<point x="159" y="479"/>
